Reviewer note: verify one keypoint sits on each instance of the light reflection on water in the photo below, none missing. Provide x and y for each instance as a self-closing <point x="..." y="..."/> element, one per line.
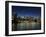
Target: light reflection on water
<point x="28" y="26"/>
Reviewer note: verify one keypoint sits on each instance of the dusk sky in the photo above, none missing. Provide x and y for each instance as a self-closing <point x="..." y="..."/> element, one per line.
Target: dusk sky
<point x="26" y="11"/>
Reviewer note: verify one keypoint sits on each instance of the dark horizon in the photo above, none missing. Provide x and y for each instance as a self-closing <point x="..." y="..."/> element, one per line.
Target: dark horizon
<point x="26" y="11"/>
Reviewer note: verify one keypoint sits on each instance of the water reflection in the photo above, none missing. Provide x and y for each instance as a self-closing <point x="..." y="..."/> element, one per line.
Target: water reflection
<point x="25" y="25"/>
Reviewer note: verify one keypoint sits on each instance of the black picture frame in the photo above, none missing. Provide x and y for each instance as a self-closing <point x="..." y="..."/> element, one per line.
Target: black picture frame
<point x="7" y="16"/>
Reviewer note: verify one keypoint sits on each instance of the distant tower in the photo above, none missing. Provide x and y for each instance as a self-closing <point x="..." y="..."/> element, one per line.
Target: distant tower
<point x="15" y="14"/>
<point x="14" y="21"/>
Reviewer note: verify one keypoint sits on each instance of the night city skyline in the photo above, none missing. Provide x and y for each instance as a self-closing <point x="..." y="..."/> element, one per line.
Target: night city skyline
<point x="26" y="18"/>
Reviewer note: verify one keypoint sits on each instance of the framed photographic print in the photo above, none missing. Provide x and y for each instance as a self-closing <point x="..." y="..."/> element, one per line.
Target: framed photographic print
<point x="24" y="18"/>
